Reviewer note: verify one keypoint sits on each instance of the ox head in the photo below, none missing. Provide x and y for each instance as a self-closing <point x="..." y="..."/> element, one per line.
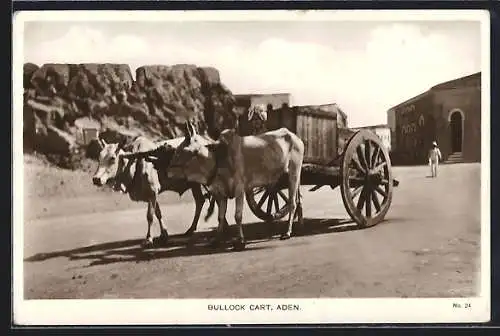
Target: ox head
<point x="195" y="158"/>
<point x="107" y="169"/>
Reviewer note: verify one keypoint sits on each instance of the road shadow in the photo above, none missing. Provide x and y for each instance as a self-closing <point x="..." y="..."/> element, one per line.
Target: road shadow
<point x="198" y="244"/>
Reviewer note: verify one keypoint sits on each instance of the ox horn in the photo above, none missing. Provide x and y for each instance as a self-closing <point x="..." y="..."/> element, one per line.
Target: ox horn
<point x="194" y="128"/>
<point x="188" y="130"/>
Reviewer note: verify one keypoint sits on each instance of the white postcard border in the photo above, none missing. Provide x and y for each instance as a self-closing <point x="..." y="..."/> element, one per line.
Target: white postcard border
<point x="194" y="311"/>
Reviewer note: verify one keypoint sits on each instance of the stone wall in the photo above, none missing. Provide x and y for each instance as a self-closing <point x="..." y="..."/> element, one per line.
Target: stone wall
<point x="156" y="104"/>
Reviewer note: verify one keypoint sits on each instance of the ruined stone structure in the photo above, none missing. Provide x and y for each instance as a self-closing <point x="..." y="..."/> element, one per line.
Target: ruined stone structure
<point x="58" y="98"/>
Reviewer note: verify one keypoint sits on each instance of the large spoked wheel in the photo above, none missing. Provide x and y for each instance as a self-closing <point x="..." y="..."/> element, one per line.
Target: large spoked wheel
<point x="366" y="172"/>
<point x="267" y="203"/>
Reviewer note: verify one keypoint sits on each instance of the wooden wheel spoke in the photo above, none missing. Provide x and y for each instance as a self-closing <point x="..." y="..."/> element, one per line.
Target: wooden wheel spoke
<point x="356" y="192"/>
<point x="283" y="196"/>
<point x="265" y="203"/>
<point x="354" y="174"/>
<point x="366" y="179"/>
<point x="380" y="167"/>
<point x="368" y="203"/>
<point x="283" y="208"/>
<point x="276" y="202"/>
<point x="357" y="165"/>
<point x="269" y="205"/>
<point x="263" y="198"/>
<point x="375" y="201"/>
<point x="362" y="159"/>
<point x="361" y="200"/>
<point x="258" y="190"/>
<point x="380" y="191"/>
<point x="375" y="156"/>
<point x="368" y="154"/>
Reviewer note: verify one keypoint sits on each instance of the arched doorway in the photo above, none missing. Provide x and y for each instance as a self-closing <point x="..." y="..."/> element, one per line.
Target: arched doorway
<point x="456" y="130"/>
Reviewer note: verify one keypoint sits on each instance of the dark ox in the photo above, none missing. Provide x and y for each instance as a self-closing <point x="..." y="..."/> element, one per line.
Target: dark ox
<point x="141" y="181"/>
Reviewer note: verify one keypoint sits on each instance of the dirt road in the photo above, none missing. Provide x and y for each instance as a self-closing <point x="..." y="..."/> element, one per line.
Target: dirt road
<point x="429" y="246"/>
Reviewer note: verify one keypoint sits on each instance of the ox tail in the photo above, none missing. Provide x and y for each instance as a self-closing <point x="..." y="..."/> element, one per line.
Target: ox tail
<point x="211" y="208"/>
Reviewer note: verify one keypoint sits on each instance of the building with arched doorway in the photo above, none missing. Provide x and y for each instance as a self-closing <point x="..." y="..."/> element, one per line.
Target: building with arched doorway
<point x="449" y="113"/>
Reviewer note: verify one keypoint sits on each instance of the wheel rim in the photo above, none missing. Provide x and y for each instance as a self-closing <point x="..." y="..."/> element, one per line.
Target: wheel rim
<point x="267" y="203"/>
<point x="366" y="179"/>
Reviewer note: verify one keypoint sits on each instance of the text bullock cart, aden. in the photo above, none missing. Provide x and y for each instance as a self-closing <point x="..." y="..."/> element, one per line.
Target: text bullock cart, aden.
<point x="334" y="156"/>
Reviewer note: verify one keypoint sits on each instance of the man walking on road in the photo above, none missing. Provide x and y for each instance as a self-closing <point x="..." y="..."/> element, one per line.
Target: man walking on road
<point x="434" y="158"/>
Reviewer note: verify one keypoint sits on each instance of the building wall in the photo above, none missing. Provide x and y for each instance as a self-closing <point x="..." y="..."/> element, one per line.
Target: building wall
<point x="426" y="118"/>
<point x="468" y="102"/>
<point x="414" y="131"/>
<point x="276" y="100"/>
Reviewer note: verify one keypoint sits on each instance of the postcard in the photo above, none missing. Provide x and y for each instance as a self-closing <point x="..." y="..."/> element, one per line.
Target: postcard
<point x="251" y="167"/>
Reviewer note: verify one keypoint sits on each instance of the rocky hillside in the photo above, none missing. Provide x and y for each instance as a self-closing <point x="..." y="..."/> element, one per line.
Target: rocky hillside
<point x="63" y="101"/>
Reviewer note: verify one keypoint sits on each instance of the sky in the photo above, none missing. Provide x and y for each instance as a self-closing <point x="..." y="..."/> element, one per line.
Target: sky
<point x="365" y="67"/>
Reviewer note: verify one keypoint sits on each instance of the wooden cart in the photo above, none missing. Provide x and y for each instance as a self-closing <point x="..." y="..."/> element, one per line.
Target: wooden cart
<point x="334" y="156"/>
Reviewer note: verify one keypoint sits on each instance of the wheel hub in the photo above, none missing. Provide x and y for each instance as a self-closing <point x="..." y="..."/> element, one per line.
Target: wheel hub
<point x="373" y="179"/>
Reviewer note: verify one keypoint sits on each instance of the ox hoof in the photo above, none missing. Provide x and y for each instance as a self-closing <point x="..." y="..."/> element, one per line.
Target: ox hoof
<point x="161" y="239"/>
<point x="239" y="245"/>
<point x="285" y="236"/>
<point x="148" y="242"/>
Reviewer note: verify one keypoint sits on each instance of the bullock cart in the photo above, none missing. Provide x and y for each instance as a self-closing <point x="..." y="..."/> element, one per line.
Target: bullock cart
<point x="334" y="156"/>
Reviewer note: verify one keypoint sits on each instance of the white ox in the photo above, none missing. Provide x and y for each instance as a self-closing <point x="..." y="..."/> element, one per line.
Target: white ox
<point x="141" y="181"/>
<point x="234" y="164"/>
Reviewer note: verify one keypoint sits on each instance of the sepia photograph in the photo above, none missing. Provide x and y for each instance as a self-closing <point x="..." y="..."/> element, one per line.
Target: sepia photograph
<point x="251" y="167"/>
